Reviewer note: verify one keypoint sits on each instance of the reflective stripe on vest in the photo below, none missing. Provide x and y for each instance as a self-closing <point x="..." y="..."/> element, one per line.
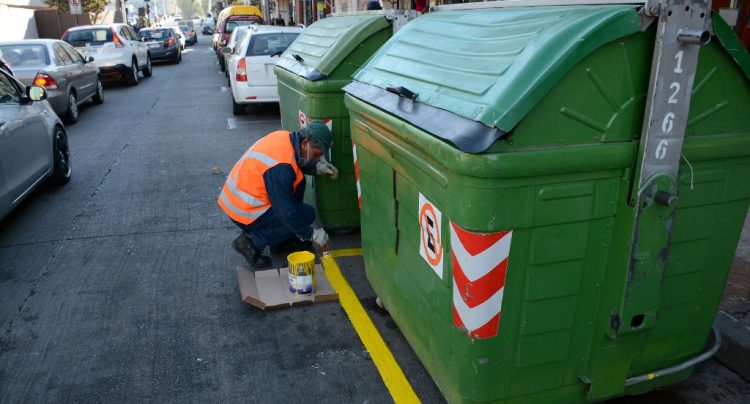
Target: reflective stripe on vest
<point x="242" y="195"/>
<point x="250" y="215"/>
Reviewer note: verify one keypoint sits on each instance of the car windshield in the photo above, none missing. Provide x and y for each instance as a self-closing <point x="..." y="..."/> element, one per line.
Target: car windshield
<point x="154" y="34"/>
<point x="231" y="25"/>
<point x="268" y="44"/>
<point x="88" y="37"/>
<point x="20" y="56"/>
<point x="184" y="28"/>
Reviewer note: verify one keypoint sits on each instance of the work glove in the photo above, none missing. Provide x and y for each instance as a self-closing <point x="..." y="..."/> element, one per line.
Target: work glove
<point x="320" y="237"/>
<point x="325" y="168"/>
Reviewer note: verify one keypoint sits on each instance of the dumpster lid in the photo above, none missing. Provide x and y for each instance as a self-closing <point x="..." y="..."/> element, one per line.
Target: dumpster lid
<point x="492" y="65"/>
<point x="323" y="45"/>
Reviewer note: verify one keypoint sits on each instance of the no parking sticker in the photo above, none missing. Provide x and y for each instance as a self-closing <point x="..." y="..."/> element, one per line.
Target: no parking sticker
<point x="430" y="241"/>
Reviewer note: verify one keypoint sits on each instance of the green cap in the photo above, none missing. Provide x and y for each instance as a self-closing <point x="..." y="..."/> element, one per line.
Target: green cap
<point x="319" y="132"/>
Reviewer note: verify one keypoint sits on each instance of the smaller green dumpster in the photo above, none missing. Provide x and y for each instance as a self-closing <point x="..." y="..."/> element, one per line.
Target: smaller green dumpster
<point x="499" y="153"/>
<point x="311" y="73"/>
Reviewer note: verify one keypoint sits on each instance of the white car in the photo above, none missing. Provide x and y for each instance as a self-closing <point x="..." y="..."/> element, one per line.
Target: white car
<point x="251" y="74"/>
<point x="116" y="49"/>
<point x="180" y="35"/>
<point x="236" y="36"/>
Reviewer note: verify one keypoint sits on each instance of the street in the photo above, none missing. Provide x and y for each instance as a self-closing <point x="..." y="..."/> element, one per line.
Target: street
<point x="121" y="285"/>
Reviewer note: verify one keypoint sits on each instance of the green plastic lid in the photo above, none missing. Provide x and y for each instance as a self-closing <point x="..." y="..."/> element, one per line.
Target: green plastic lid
<point x="492" y="66"/>
<point x="323" y="45"/>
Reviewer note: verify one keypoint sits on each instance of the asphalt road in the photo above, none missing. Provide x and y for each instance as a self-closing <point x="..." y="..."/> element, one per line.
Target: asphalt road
<point x="120" y="286"/>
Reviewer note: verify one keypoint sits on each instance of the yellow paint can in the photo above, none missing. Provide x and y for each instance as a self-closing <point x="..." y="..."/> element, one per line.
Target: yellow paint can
<point x="301" y="272"/>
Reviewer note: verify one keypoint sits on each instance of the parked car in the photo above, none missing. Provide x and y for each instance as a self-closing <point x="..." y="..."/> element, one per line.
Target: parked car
<point x="33" y="143"/>
<point x="162" y="43"/>
<point x="116" y="49"/>
<point x="207" y="26"/>
<point x="69" y="78"/>
<point x="180" y="36"/>
<point x="231" y="46"/>
<point x="191" y="37"/>
<point x="251" y="77"/>
<point x="231" y="18"/>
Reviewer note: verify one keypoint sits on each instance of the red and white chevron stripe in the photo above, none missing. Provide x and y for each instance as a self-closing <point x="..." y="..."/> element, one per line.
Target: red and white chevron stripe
<point x="480" y="261"/>
<point x="356" y="174"/>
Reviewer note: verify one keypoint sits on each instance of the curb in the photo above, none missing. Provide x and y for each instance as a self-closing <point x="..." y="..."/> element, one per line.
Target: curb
<point x="735" y="349"/>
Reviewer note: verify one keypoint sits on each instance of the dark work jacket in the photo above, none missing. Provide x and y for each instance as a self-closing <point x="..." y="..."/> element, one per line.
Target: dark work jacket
<point x="285" y="203"/>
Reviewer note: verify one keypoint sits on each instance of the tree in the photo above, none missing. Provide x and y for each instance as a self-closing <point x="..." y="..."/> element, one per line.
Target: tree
<point x="93" y="8"/>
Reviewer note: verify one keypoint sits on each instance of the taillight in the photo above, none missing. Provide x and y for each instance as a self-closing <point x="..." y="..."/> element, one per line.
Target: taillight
<point x="241" y="71"/>
<point x="45" y="80"/>
<point x="169" y="42"/>
<point x="116" y="40"/>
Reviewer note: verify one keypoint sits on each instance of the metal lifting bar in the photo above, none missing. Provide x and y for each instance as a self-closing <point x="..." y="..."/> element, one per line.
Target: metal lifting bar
<point x="654" y="194"/>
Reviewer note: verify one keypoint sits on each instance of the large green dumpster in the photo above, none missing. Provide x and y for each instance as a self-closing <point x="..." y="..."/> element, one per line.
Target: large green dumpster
<point x="497" y="151"/>
<point x="311" y="74"/>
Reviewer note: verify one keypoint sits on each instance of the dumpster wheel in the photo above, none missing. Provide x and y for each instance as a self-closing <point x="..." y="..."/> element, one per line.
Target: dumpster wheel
<point x="379" y="303"/>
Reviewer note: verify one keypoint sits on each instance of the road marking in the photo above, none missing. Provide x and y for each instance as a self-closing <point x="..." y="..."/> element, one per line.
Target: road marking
<point x="390" y="371"/>
<point x="231" y="123"/>
<point x="224" y="89"/>
<point x="346" y="252"/>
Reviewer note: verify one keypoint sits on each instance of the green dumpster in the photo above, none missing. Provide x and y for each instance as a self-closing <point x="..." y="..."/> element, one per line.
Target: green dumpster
<point x="310" y="75"/>
<point x="497" y="151"/>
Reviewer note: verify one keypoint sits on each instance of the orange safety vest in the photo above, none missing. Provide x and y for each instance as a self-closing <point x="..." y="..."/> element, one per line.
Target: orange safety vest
<point x="244" y="197"/>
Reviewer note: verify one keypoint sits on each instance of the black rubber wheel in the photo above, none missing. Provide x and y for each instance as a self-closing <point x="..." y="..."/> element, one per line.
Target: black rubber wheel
<point x="62" y="169"/>
<point x="71" y="114"/>
<point x="148" y="71"/>
<point x="237" y="109"/>
<point x="99" y="95"/>
<point x="133" y="79"/>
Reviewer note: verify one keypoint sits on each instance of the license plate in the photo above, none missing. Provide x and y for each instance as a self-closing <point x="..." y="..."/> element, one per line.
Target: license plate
<point x="153" y="45"/>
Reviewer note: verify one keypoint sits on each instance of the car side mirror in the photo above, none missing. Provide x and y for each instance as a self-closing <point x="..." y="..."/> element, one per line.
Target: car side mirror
<point x="36" y="93"/>
<point x="89" y="59"/>
<point x="226" y="50"/>
<point x="143" y="39"/>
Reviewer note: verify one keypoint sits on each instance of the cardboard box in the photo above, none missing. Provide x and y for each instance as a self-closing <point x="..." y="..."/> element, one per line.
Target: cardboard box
<point x="269" y="289"/>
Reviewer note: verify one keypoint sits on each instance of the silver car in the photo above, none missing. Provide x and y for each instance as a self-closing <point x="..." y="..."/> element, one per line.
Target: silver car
<point x="33" y="143"/>
<point x="69" y="78"/>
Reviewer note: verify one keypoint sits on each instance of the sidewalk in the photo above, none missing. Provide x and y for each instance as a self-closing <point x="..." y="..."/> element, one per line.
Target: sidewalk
<point x="733" y="318"/>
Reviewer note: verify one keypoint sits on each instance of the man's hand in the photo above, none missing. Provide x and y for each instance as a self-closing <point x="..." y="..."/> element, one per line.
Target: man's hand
<point x="326" y="168"/>
<point x="320" y="237"/>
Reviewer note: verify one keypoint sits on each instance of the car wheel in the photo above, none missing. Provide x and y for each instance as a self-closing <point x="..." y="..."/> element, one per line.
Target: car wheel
<point x="148" y="71"/>
<point x="133" y="79"/>
<point x="99" y="95"/>
<point x="71" y="115"/>
<point x="178" y="58"/>
<point x="237" y="109"/>
<point x="62" y="169"/>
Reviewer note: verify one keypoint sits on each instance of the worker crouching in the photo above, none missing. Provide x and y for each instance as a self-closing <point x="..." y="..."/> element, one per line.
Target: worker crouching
<point x="264" y="191"/>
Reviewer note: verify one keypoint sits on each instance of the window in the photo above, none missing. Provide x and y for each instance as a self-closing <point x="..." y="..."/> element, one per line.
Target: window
<point x="8" y="92"/>
<point x="62" y="58"/>
<point x="132" y="33"/>
<point x="124" y="34"/>
<point x="72" y="52"/>
<point x="269" y="44"/>
<point x="88" y="37"/>
<point x="25" y="55"/>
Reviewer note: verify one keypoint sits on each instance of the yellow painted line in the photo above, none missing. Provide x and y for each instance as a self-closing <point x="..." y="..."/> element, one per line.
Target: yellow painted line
<point x="346" y="252"/>
<point x="390" y="371"/>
